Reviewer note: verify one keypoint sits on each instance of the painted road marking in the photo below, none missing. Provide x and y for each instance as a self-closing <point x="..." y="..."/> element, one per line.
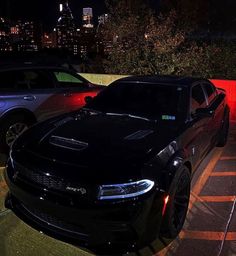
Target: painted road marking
<point x="216" y="198"/>
<point x="204" y="177"/>
<point x="220" y="174"/>
<point x="228" y="158"/>
<point x="207" y="235"/>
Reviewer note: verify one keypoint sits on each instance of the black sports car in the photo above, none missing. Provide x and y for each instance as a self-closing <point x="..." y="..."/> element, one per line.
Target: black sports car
<point x="117" y="173"/>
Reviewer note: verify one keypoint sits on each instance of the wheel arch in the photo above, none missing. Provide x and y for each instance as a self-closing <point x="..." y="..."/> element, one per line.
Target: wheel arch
<point x="20" y="111"/>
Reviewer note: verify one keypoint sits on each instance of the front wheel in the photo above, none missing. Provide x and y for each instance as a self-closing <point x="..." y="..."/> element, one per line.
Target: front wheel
<point x="11" y="129"/>
<point x="177" y="205"/>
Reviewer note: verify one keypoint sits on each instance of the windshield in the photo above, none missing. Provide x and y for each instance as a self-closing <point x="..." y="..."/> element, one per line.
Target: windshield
<point x="148" y="100"/>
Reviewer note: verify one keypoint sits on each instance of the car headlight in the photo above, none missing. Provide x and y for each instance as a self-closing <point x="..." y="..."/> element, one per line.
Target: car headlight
<point x="125" y="190"/>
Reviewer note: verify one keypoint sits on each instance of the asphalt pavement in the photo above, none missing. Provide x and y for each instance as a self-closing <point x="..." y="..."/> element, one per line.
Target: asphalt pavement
<point x="209" y="229"/>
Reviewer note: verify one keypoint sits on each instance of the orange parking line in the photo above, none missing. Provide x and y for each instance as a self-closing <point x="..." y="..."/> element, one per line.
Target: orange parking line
<point x="204" y="177"/>
<point x="220" y="174"/>
<point x="207" y="235"/>
<point x="228" y="158"/>
<point x="216" y="198"/>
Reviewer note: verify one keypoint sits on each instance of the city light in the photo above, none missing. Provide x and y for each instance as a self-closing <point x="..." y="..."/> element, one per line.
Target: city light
<point x="28" y="36"/>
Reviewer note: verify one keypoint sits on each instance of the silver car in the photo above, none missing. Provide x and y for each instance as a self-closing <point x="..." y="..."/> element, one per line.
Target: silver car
<point x="32" y="94"/>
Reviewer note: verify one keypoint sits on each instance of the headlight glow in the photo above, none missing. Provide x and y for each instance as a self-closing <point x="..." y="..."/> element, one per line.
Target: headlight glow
<point x="125" y="190"/>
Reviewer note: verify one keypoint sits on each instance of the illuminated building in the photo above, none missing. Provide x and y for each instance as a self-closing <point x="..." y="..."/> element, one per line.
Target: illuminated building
<point x="65" y="28"/>
<point x="49" y="40"/>
<point x="88" y="17"/>
<point x="4" y="36"/>
<point x="104" y="45"/>
<point x="28" y="36"/>
<point x="103" y="19"/>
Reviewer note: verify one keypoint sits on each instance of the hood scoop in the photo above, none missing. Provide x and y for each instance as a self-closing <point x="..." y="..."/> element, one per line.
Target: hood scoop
<point x="68" y="143"/>
<point x="138" y="135"/>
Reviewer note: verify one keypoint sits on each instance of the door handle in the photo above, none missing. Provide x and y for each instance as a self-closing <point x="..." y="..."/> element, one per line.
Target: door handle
<point x="29" y="97"/>
<point x="212" y="113"/>
<point x="67" y="94"/>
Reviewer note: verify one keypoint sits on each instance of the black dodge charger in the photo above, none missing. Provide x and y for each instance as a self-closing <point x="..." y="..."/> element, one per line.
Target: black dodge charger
<point x="116" y="174"/>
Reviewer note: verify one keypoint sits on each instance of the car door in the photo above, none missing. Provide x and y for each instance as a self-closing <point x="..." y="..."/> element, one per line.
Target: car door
<point x="38" y="89"/>
<point x="74" y="89"/>
<point x="26" y="89"/>
<point x="216" y="108"/>
<point x="198" y="134"/>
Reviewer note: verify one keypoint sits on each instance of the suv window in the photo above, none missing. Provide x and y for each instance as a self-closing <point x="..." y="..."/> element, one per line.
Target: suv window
<point x="31" y="79"/>
<point x="24" y="80"/>
<point x="8" y="80"/>
<point x="210" y="92"/>
<point x="198" y="99"/>
<point x="67" y="80"/>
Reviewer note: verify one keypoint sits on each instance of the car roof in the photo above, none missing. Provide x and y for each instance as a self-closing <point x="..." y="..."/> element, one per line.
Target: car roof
<point x="27" y="67"/>
<point x="167" y="80"/>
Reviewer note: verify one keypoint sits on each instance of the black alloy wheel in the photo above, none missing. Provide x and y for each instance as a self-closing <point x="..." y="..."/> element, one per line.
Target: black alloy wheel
<point x="177" y="205"/>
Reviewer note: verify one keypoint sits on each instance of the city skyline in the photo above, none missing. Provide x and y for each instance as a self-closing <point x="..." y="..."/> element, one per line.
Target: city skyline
<point x="35" y="10"/>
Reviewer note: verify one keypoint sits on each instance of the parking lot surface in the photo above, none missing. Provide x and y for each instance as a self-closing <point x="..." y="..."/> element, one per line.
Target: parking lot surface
<point x="210" y="227"/>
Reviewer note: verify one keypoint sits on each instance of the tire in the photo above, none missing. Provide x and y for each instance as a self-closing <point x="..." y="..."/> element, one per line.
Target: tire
<point x="223" y="136"/>
<point x="177" y="207"/>
<point x="12" y="126"/>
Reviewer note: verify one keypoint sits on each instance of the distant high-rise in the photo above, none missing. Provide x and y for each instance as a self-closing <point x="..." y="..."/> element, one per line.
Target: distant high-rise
<point x="65" y="28"/>
<point x="4" y="35"/>
<point x="88" y="17"/>
<point x="27" y="36"/>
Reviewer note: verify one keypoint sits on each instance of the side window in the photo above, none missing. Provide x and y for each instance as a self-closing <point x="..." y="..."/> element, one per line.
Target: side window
<point x="198" y="99"/>
<point x="31" y="79"/>
<point x="7" y="80"/>
<point x="210" y="92"/>
<point x="67" y="80"/>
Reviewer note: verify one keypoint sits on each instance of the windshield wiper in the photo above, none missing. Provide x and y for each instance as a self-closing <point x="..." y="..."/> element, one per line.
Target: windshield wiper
<point x="131" y="116"/>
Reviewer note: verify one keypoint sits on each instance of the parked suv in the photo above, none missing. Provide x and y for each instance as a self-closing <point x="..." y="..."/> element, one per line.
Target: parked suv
<point x="31" y="94"/>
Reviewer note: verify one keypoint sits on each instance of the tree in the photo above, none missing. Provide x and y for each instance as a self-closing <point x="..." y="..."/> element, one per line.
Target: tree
<point x="144" y="43"/>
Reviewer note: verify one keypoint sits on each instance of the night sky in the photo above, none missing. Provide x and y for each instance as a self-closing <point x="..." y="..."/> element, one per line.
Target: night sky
<point x="47" y="11"/>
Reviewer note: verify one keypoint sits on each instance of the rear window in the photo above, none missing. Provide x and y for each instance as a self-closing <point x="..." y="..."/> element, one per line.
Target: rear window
<point x="68" y="80"/>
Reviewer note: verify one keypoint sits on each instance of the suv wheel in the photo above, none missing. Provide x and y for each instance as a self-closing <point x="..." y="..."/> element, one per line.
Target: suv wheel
<point x="177" y="206"/>
<point x="12" y="127"/>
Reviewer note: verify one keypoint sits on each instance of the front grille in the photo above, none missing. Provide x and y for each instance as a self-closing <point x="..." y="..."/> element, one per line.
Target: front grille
<point x="55" y="222"/>
<point x="50" y="182"/>
<point x="45" y="180"/>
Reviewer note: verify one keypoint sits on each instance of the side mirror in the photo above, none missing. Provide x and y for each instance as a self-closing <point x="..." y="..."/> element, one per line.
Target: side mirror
<point x="88" y="99"/>
<point x="203" y="112"/>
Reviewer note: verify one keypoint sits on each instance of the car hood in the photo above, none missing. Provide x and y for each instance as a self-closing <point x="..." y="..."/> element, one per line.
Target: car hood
<point x="95" y="142"/>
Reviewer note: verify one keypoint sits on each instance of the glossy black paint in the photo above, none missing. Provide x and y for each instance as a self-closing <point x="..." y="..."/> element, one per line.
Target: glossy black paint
<point x="39" y="172"/>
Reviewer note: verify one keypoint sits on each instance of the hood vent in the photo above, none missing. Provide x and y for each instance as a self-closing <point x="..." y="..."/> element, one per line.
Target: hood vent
<point x="139" y="135"/>
<point x="68" y="143"/>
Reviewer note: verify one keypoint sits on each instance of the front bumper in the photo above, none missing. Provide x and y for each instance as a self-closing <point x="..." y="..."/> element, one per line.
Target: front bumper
<point x="123" y="226"/>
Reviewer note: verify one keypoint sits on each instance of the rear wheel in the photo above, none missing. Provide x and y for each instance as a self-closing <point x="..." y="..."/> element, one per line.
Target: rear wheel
<point x="11" y="128"/>
<point x="177" y="205"/>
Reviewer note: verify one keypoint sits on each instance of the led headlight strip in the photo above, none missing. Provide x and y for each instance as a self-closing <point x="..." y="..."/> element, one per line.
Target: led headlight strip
<point x="125" y="190"/>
